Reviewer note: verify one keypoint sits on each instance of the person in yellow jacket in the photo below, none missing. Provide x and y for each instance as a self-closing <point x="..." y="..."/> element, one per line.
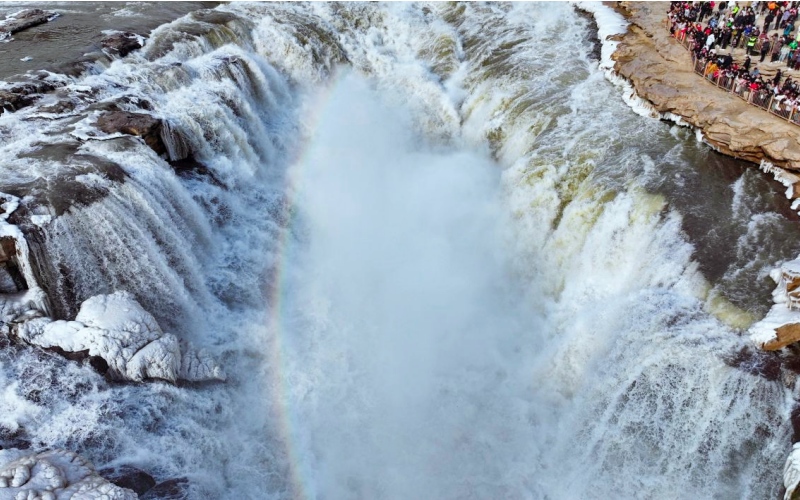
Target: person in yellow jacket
<point x="751" y="44"/>
<point x="711" y="70"/>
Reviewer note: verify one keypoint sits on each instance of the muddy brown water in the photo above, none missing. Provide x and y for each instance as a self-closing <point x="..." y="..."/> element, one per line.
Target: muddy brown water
<point x="737" y="218"/>
<point x="78" y="30"/>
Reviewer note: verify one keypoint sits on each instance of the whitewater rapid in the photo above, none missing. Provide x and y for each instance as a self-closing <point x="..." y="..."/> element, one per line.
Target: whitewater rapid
<point x="436" y="253"/>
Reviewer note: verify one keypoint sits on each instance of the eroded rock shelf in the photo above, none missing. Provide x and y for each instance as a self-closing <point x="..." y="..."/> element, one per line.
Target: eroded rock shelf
<point x="660" y="71"/>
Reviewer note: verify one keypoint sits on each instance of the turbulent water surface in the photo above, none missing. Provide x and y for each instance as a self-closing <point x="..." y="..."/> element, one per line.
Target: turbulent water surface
<point x="437" y="254"/>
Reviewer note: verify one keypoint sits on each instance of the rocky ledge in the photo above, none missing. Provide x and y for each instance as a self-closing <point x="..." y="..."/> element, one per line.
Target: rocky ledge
<point x="660" y="71"/>
<point x="23" y="20"/>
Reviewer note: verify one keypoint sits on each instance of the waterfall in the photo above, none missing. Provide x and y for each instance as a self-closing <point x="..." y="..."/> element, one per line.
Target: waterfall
<point x="437" y="254"/>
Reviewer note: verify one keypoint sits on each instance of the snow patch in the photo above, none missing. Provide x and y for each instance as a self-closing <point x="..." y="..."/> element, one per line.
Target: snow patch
<point x="782" y="176"/>
<point x="786" y="308"/>
<point x="34" y="297"/>
<point x="54" y="475"/>
<point x="791" y="472"/>
<point x="116" y="328"/>
<point x="41" y="220"/>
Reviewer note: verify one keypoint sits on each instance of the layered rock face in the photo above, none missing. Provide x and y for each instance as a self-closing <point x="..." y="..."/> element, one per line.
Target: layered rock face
<point x="661" y="72"/>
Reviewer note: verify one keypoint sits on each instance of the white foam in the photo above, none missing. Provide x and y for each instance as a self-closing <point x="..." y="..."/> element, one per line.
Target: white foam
<point x="470" y="324"/>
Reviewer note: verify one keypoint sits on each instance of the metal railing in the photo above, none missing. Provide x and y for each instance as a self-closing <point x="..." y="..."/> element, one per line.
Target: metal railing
<point x="739" y="87"/>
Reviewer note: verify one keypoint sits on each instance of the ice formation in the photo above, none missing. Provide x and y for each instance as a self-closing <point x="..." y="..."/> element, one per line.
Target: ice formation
<point x="117" y="329"/>
<point x="783" y="176"/>
<point x="791" y="472"/>
<point x="53" y="475"/>
<point x="781" y="326"/>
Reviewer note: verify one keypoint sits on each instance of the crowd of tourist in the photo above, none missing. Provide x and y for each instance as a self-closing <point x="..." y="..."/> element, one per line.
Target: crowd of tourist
<point x="729" y="26"/>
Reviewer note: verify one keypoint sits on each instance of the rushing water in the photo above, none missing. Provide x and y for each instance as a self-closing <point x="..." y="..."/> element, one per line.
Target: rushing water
<point x="436" y="252"/>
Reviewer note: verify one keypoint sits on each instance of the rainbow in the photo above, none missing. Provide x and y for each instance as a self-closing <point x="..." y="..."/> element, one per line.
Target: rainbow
<point x="277" y="294"/>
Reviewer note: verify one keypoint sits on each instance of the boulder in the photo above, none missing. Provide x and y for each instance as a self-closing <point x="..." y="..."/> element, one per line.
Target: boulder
<point x="139" y="124"/>
<point x="12" y="101"/>
<point x="53" y="475"/>
<point x="116" y="329"/>
<point x="120" y="44"/>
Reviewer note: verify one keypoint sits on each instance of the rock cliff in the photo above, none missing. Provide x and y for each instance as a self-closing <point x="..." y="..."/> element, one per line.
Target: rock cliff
<point x="661" y="72"/>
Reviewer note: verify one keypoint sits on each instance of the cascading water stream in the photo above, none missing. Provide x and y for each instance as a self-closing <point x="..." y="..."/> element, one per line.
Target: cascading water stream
<point x="436" y="253"/>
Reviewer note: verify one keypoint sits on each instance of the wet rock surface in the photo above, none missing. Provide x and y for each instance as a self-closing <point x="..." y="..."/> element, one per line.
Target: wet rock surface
<point x="23" y="20"/>
<point x="172" y="489"/>
<point x="121" y="44"/>
<point x="67" y="189"/>
<point x="591" y="37"/>
<point x="21" y="95"/>
<point x="130" y="477"/>
<point x="138" y="124"/>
